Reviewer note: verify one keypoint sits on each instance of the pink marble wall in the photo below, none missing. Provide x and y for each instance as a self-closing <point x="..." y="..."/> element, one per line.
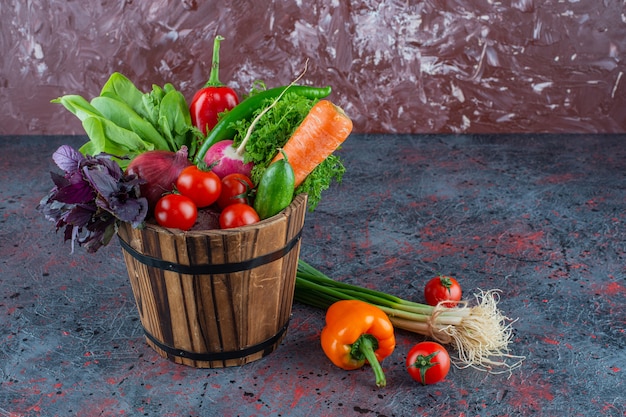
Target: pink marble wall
<point x="395" y="65"/>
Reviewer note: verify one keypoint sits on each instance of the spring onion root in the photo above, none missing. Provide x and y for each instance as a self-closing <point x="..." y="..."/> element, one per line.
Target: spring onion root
<point x="480" y="334"/>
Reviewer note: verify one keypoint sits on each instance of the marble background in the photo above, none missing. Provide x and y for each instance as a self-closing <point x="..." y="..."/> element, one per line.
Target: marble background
<point x="399" y="66"/>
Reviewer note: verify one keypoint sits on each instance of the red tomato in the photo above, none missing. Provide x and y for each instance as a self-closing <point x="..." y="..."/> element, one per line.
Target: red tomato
<point x="203" y="187"/>
<point x="428" y="362"/>
<point x="238" y="214"/>
<point x="176" y="211"/>
<point x="235" y="189"/>
<point x="442" y="288"/>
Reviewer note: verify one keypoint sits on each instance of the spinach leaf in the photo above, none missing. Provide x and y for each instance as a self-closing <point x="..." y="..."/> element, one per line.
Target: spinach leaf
<point x="121" y="88"/>
<point x="77" y="105"/>
<point x="174" y="115"/>
<point x="151" y="102"/>
<point x="109" y="138"/>
<point x="125" y="117"/>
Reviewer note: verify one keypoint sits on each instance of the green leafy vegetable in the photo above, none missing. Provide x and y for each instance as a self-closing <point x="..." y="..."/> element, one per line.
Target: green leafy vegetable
<point x="77" y="105"/>
<point x="125" y="117"/>
<point x="151" y="102"/>
<point x="115" y="140"/>
<point x="119" y="87"/>
<point x="125" y="122"/>
<point x="332" y="169"/>
<point x="175" y="120"/>
<point x="273" y="131"/>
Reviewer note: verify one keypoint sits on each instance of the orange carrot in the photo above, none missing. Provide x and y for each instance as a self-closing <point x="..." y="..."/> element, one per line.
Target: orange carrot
<point x="319" y="135"/>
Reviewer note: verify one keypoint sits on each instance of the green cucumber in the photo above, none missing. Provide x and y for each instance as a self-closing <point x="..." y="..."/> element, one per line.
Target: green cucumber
<point x="275" y="189"/>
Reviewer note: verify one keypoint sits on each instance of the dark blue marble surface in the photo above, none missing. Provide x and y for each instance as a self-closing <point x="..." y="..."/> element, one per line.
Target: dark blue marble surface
<point x="540" y="217"/>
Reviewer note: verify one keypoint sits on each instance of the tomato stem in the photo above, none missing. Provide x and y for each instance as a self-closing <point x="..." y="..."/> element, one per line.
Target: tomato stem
<point x="424" y="363"/>
<point x="365" y="346"/>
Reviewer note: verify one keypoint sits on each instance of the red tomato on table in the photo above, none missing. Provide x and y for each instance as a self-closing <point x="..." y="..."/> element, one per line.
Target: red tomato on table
<point x="428" y="362"/>
<point x="442" y="288"/>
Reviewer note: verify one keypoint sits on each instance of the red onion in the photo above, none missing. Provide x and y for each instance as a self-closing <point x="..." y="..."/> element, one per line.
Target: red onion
<point x="159" y="169"/>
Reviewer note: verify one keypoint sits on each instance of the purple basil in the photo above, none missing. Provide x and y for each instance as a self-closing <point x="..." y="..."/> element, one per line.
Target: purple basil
<point x="91" y="197"/>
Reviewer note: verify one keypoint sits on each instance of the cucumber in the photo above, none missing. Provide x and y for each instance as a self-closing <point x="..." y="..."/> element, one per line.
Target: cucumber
<point x="275" y="189"/>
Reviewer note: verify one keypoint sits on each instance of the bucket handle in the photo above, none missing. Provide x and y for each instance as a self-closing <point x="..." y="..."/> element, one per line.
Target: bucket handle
<point x="209" y="269"/>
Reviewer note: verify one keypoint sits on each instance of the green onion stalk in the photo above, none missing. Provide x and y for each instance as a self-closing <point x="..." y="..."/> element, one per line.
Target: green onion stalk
<point x="481" y="334"/>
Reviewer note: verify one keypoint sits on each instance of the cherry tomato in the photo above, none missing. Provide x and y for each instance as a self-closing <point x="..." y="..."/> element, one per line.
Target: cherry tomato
<point x="428" y="362"/>
<point x="176" y="211"/>
<point x="442" y="288"/>
<point x="236" y="188"/>
<point x="203" y="187"/>
<point x="238" y="214"/>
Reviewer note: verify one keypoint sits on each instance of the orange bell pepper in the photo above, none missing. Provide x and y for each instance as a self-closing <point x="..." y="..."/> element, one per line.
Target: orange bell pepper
<point x="357" y="332"/>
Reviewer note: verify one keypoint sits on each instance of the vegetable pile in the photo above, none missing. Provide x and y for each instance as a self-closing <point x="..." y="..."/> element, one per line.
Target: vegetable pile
<point x="480" y="333"/>
<point x="222" y="162"/>
<point x="219" y="162"/>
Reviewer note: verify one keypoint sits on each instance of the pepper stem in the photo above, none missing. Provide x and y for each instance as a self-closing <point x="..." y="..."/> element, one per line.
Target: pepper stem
<point x="365" y="346"/>
<point x="214" y="77"/>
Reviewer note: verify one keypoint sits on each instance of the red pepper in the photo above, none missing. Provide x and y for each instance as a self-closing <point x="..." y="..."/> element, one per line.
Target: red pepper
<point x="214" y="98"/>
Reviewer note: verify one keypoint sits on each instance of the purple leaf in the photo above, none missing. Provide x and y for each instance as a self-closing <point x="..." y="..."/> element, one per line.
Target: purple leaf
<point x="75" y="193"/>
<point x="67" y="158"/>
<point x="91" y="197"/>
<point x="101" y="180"/>
<point x="80" y="215"/>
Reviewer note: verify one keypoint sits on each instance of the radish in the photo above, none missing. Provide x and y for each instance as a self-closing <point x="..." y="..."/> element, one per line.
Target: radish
<point x="224" y="159"/>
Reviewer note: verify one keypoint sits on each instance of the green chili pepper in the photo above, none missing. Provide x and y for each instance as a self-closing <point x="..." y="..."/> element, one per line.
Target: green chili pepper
<point x="225" y="129"/>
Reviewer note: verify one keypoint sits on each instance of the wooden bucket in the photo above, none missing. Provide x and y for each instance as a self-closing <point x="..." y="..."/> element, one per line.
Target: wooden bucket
<point x="215" y="298"/>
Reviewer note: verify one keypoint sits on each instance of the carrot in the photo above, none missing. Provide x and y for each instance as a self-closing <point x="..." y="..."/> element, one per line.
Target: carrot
<point x="319" y="135"/>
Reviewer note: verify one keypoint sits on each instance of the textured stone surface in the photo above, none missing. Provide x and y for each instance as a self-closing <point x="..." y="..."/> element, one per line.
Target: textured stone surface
<point x="540" y="217"/>
<point x="396" y="66"/>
